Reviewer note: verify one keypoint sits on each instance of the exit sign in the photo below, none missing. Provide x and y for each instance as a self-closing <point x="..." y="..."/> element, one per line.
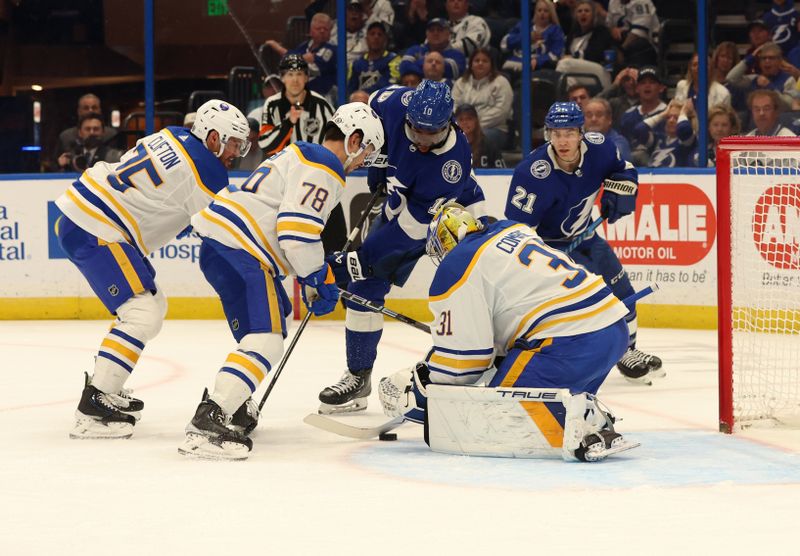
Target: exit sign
<point x="217" y="7"/>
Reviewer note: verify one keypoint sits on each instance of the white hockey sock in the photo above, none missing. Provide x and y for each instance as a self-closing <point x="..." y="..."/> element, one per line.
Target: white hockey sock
<point x="230" y="392"/>
<point x="116" y="358"/>
<point x="239" y="377"/>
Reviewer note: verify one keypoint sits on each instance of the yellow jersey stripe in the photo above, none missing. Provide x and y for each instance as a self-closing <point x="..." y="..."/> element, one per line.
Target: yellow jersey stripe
<point x="546" y="422"/>
<point x="247" y="364"/>
<point x="242" y="241"/>
<point x="443" y="361"/>
<point x="74" y="198"/>
<point x="272" y="301"/>
<point x="119" y="348"/>
<point x="521" y="362"/>
<point x="547" y="324"/>
<point x="57" y="225"/>
<point x="544" y="306"/>
<point x="317" y="165"/>
<point x="130" y="219"/>
<point x="127" y="268"/>
<point x="472" y="264"/>
<point x="284" y="226"/>
<point x="256" y="228"/>
<point x="191" y="164"/>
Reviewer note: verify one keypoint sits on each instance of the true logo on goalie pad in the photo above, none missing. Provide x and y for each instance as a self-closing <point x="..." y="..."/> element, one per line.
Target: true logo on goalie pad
<point x="529" y="395"/>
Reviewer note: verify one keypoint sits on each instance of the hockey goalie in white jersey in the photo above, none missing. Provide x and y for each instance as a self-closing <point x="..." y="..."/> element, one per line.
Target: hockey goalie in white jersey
<point x="112" y="217"/>
<point x="522" y="319"/>
<point x="253" y="236"/>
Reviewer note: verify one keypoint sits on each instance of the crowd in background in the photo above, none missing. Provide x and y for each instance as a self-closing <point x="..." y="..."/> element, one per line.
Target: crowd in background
<point x="613" y="43"/>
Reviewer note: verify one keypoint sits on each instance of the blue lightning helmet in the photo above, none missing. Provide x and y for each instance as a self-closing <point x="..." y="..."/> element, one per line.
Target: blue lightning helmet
<point x="563" y="115"/>
<point x="428" y="114"/>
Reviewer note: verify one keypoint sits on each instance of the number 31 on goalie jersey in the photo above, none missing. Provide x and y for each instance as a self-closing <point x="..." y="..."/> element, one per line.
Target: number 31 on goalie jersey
<point x="527" y="254"/>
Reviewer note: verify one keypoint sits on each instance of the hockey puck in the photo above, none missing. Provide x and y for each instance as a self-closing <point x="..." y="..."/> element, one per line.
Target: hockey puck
<point x="387" y="436"/>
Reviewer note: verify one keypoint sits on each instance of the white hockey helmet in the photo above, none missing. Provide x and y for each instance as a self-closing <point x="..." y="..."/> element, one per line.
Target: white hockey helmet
<point x="225" y="119"/>
<point x="357" y="116"/>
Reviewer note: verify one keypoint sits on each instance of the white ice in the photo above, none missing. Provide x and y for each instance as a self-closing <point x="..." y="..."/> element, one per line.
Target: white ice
<point x="687" y="490"/>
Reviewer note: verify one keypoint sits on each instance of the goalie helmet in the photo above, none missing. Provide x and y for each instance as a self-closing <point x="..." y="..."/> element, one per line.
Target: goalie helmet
<point x="225" y="119"/>
<point x="357" y="116"/>
<point x="450" y="225"/>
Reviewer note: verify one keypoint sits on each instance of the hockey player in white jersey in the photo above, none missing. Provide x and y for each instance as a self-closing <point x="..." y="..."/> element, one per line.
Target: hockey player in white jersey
<point x="511" y="312"/>
<point x="253" y="236"/>
<point x="112" y="217"/>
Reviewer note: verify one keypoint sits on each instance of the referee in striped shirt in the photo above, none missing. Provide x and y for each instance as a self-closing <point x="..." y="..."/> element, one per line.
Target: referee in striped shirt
<point x="299" y="114"/>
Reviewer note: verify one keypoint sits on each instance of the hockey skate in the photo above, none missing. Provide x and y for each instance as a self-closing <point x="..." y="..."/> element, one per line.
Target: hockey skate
<point x="348" y="395"/>
<point x="599" y="445"/>
<point x="210" y="436"/>
<point x="245" y="419"/>
<point x="104" y="415"/>
<point x="639" y="367"/>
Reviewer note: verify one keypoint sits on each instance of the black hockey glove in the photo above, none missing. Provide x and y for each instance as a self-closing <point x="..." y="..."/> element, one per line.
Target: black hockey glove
<point x="619" y="197"/>
<point x="347" y="267"/>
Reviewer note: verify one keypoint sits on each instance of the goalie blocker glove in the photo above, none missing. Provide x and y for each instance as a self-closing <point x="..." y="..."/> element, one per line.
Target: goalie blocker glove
<point x="319" y="291"/>
<point x="619" y="197"/>
<point x="347" y="267"/>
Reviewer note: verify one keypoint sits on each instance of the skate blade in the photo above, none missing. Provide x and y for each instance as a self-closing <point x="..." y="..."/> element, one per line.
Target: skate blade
<point x="353" y="406"/>
<point x="616" y="448"/>
<point x="87" y="428"/>
<point x="640" y="381"/>
<point x="199" y="446"/>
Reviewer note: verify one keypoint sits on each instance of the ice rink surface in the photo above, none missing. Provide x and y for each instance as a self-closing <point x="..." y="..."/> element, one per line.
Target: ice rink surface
<point x="686" y="490"/>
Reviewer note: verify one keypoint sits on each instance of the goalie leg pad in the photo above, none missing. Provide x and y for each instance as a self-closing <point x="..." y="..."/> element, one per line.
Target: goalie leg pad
<point x="404" y="394"/>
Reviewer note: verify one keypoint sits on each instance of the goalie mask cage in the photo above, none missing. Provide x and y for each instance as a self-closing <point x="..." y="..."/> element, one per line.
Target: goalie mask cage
<point x="758" y="261"/>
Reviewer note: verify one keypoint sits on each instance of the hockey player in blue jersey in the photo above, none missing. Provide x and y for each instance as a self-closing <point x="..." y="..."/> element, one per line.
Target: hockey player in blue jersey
<point x="112" y="217"/>
<point x="554" y="189"/>
<point x="429" y="163"/>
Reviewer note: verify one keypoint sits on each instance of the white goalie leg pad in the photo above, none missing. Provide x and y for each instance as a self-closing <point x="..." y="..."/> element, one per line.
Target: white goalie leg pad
<point x="504" y="422"/>
<point x="363" y="321"/>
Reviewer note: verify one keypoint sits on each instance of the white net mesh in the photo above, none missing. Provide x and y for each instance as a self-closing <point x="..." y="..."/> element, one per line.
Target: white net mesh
<point x="765" y="271"/>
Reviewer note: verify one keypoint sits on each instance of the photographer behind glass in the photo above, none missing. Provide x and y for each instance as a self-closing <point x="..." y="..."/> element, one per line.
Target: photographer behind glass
<point x="88" y="147"/>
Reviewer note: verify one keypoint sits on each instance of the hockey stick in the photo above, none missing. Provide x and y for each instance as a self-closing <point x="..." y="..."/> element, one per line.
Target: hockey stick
<point x="584" y="235"/>
<point x="350" y="239"/>
<point x="644" y="292"/>
<point x="342" y="429"/>
<point x="374" y="307"/>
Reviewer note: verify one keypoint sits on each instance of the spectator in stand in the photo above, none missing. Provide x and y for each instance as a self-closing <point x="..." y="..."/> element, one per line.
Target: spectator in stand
<point x="489" y="92"/>
<point x="412" y="20"/>
<point x="547" y="40"/>
<point x="765" y="109"/>
<point x="468" y="31"/>
<point x="781" y="20"/>
<point x="722" y="122"/>
<point x="587" y="44"/>
<point x="687" y="87"/>
<point x="87" y="104"/>
<point x="771" y="75"/>
<point x="317" y="51"/>
<point x="758" y="33"/>
<point x="378" y="68"/>
<point x="578" y="94"/>
<point x="565" y="10"/>
<point x="270" y="85"/>
<point x="634" y="25"/>
<point x="649" y="89"/>
<point x="622" y="94"/>
<point x="669" y="149"/>
<point x="725" y="56"/>
<point x="372" y="10"/>
<point x="485" y="152"/>
<point x="296" y="113"/>
<point x="254" y="156"/>
<point x="438" y="40"/>
<point x="433" y="68"/>
<point x="597" y="114"/>
<point x="355" y="22"/>
<point x="88" y="147"/>
<point x="410" y="79"/>
<point x="359" y="96"/>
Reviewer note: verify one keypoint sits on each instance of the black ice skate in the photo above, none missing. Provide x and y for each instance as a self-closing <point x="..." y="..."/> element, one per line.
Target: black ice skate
<point x="210" y="436"/>
<point x="244" y="419"/>
<point x="348" y="395"/>
<point x="601" y="444"/>
<point x="102" y="415"/>
<point x="639" y="367"/>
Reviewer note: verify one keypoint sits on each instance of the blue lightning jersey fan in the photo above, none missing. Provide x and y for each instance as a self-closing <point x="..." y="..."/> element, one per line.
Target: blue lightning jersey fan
<point x="558" y="203"/>
<point x="418" y="183"/>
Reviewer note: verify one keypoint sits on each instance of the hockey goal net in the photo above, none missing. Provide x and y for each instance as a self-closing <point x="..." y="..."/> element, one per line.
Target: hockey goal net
<point x="758" y="257"/>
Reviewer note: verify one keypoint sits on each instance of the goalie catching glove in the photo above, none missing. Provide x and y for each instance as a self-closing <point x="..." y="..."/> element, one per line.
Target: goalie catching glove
<point x="619" y="197"/>
<point x="347" y="267"/>
<point x="319" y="290"/>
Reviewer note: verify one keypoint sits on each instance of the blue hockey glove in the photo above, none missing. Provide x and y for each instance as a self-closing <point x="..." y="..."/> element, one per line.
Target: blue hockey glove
<point x="347" y="267"/>
<point x="619" y="197"/>
<point x="376" y="179"/>
<point x="320" y="293"/>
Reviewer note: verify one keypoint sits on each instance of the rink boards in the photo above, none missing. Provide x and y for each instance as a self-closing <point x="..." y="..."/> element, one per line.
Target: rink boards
<point x="670" y="240"/>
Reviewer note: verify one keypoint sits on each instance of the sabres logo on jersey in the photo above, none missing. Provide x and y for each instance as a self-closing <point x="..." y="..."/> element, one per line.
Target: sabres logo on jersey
<point x="451" y="171"/>
<point x="540" y="169"/>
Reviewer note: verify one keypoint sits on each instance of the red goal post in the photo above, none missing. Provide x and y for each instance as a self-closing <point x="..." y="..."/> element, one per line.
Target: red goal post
<point x="758" y="281"/>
